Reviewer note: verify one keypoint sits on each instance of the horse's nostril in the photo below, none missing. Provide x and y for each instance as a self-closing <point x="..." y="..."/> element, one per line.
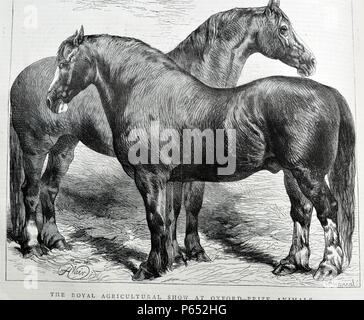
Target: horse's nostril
<point x="313" y="61"/>
<point x="49" y="102"/>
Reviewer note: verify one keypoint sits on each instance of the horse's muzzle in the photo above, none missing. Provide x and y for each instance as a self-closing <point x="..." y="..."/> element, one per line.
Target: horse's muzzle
<point x="55" y="105"/>
<point x="49" y="103"/>
<point x="307" y="65"/>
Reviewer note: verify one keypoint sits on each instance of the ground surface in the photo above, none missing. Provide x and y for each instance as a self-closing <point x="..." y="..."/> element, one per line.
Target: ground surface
<point x="245" y="228"/>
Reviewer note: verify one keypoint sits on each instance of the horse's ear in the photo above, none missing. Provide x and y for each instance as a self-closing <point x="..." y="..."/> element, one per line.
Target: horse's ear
<point x="79" y="37"/>
<point x="274" y="3"/>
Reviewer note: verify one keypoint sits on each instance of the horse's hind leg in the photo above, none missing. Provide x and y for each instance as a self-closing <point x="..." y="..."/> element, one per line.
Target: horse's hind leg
<point x="33" y="165"/>
<point x="193" y="199"/>
<point x="176" y="207"/>
<point x="59" y="160"/>
<point x="16" y="196"/>
<point x="314" y="187"/>
<point x="301" y="213"/>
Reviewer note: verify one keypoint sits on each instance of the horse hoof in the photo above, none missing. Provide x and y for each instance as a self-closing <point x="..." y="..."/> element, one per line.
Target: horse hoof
<point x="180" y="256"/>
<point x="27" y="252"/>
<point x="36" y="251"/>
<point x="202" y="257"/>
<point x="18" y="237"/>
<point x="61" y="245"/>
<point x="284" y="269"/>
<point x="43" y="249"/>
<point x="326" y="272"/>
<point x="144" y="274"/>
<point x="199" y="256"/>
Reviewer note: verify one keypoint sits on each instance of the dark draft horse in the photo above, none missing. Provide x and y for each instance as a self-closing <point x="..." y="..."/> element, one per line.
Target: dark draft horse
<point x="281" y="123"/>
<point x="215" y="53"/>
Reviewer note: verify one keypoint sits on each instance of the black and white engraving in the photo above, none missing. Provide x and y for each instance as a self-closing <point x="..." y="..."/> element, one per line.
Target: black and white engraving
<point x="180" y="180"/>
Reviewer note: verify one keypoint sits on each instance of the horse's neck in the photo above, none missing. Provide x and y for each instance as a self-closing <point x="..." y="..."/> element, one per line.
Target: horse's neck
<point x="113" y="93"/>
<point x="217" y="63"/>
<point x="119" y="79"/>
<point x="122" y="73"/>
<point x="107" y="95"/>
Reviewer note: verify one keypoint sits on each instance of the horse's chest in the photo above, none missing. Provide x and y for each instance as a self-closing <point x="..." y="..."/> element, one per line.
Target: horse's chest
<point x="122" y="143"/>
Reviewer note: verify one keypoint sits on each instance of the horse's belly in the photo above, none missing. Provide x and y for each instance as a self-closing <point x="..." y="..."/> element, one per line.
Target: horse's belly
<point x="210" y="173"/>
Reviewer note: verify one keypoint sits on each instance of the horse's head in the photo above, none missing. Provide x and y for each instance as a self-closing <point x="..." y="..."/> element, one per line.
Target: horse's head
<point x="75" y="72"/>
<point x="277" y="39"/>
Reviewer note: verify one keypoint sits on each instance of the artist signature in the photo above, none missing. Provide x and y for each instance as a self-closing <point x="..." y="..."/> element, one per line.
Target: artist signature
<point x="343" y="284"/>
<point x="74" y="272"/>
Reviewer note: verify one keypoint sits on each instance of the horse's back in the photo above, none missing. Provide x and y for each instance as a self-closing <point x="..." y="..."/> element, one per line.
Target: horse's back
<point x="283" y="99"/>
<point x="31" y="86"/>
<point x="28" y="93"/>
<point x="31" y="117"/>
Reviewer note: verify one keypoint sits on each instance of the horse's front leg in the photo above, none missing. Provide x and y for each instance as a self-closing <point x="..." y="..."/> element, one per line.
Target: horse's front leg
<point x="153" y="190"/>
<point x="301" y="213"/>
<point x="59" y="160"/>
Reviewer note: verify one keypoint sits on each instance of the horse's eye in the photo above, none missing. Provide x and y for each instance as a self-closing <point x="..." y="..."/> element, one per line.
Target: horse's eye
<point x="62" y="65"/>
<point x="283" y="30"/>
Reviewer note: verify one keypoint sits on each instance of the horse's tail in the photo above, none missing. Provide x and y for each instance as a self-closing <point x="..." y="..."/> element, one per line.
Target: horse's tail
<point x="342" y="179"/>
<point x="17" y="209"/>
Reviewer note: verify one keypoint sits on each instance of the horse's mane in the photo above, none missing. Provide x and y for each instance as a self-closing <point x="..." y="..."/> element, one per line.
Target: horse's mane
<point x="199" y="41"/>
<point x="124" y="53"/>
<point x="205" y="35"/>
<point x="112" y="45"/>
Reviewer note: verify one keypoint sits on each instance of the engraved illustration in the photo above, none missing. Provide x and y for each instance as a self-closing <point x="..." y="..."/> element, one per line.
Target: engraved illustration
<point x="161" y="126"/>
